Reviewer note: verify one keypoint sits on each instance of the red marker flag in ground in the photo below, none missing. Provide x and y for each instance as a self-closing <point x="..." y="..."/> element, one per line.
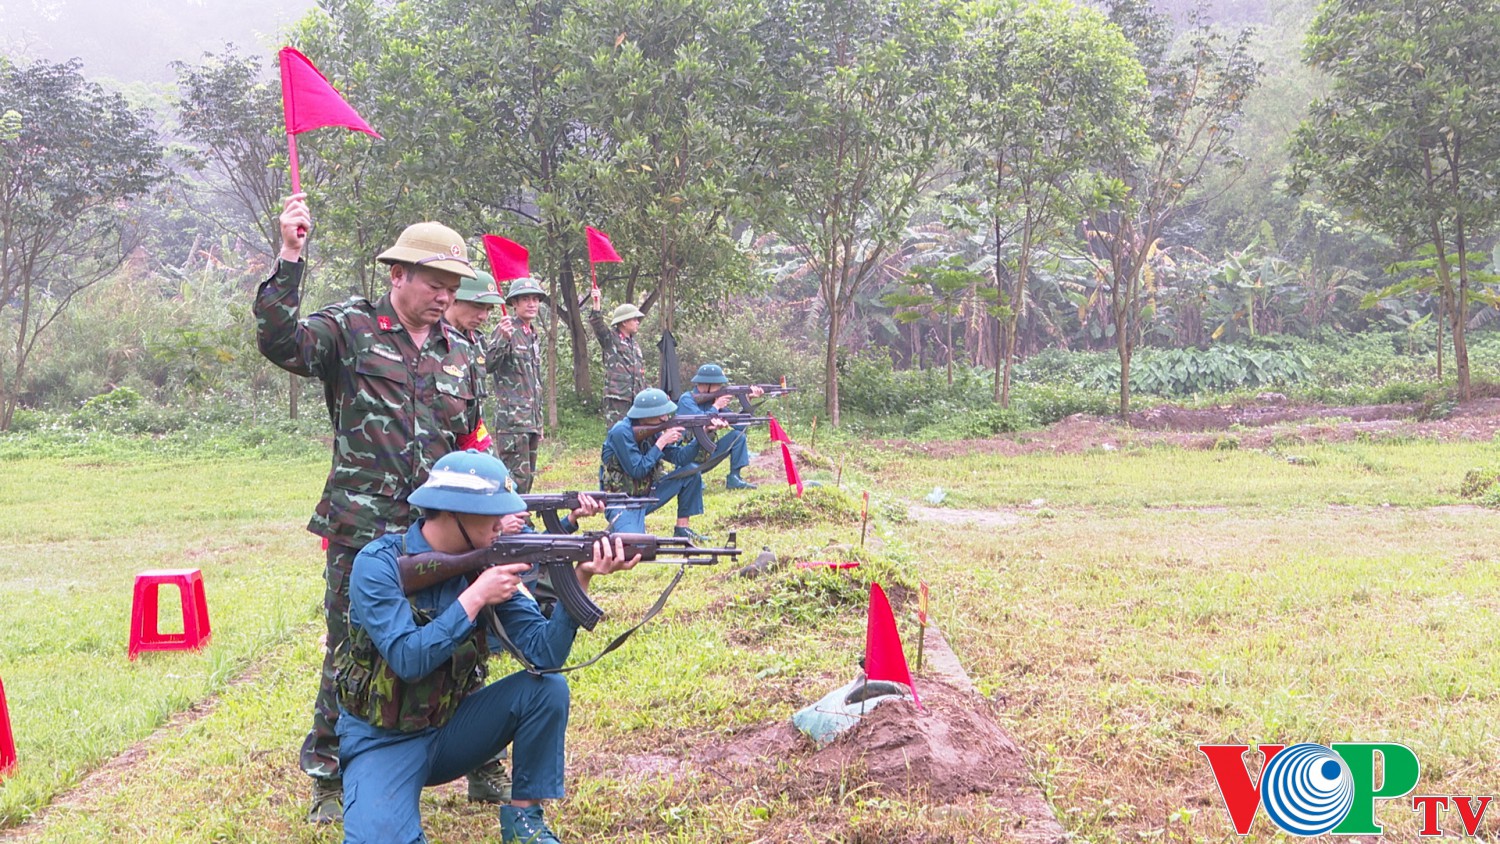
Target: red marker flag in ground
<point x="778" y="435"/>
<point x="309" y="102"/>
<point x="884" y="659"/>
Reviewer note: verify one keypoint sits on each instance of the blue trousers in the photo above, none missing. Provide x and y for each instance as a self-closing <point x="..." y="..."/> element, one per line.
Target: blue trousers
<point x="687" y="490"/>
<point x="385" y="772"/>
<point x="738" y="445"/>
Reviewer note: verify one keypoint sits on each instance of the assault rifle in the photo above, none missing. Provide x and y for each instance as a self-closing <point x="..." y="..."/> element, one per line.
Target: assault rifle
<point x="698" y="424"/>
<point x="556" y="555"/>
<point x="551" y="505"/>
<point x="742" y="392"/>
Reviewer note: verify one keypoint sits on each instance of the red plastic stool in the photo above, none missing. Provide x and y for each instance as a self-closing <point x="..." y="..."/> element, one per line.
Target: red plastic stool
<point x="144" y="634"/>
<point x="7" y="741"/>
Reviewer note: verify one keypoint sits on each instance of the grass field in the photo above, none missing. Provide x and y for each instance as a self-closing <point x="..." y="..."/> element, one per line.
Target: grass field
<point x="1153" y="600"/>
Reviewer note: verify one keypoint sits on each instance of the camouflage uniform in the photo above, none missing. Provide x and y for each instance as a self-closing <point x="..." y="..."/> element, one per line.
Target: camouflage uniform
<point x="624" y="368"/>
<point x="516" y="364"/>
<point x="395" y="410"/>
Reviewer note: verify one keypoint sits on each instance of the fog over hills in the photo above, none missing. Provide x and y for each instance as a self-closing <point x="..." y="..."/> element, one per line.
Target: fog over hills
<point x="136" y="40"/>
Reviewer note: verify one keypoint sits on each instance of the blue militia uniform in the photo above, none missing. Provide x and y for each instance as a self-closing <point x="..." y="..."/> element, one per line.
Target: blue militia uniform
<point x="641" y="462"/>
<point x="385" y="770"/>
<point x="734" y="442"/>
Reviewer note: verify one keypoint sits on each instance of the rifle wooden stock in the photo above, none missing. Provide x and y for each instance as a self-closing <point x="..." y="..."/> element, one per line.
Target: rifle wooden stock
<point x="556" y="555"/>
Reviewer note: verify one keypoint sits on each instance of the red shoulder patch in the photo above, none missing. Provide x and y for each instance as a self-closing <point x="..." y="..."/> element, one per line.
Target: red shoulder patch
<point x="384" y="322"/>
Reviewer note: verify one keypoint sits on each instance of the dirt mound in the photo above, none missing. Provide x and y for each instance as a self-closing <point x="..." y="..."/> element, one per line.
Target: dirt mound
<point x="1238" y="426"/>
<point x="950" y="748"/>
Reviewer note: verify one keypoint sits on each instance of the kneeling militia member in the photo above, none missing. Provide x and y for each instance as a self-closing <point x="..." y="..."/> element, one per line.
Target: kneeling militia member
<point x="636" y="466"/>
<point x="412" y="713"/>
<point x="705" y="397"/>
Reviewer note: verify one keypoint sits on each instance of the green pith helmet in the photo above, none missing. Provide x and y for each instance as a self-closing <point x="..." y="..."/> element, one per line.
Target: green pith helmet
<point x="649" y="403"/>
<point x="480" y="290"/>
<point x="710" y="373"/>
<point x="430" y="245"/>
<point x="523" y="286"/>
<point x="625" y="312"/>
<point x="469" y="482"/>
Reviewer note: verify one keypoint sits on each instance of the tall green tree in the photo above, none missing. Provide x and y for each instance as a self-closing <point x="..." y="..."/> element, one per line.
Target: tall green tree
<point x="1406" y="136"/>
<point x="1050" y="85"/>
<point x="1197" y="84"/>
<point x="865" y="91"/>
<point x="72" y="158"/>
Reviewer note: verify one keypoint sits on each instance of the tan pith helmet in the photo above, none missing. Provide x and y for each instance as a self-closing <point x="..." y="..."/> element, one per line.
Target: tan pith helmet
<point x="625" y="312"/>
<point x="430" y="245"/>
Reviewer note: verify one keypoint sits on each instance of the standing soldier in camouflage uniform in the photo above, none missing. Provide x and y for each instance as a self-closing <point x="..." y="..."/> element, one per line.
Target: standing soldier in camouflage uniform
<point x="401" y="392"/>
<point x="515" y="359"/>
<point x="624" y="364"/>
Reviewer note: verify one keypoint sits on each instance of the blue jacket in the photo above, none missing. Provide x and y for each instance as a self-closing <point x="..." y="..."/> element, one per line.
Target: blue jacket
<point x="639" y="458"/>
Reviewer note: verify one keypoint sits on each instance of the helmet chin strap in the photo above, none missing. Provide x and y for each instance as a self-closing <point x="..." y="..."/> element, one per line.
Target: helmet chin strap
<point x="465" y="533"/>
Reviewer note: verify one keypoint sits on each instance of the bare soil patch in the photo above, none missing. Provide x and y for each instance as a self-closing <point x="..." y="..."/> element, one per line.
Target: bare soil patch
<point x="1248" y="426"/>
<point x="976" y="518"/>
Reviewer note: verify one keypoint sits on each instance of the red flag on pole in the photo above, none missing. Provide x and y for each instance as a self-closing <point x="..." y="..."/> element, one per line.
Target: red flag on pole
<point x="792" y="477"/>
<point x="601" y="251"/>
<point x="778" y="434"/>
<point x="508" y="259"/>
<point x="884" y="658"/>
<point x="310" y="101"/>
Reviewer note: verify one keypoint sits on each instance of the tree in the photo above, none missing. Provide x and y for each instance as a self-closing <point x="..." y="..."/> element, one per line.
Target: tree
<point x="1196" y="94"/>
<point x="1406" y="135"/>
<point x="73" y="157"/>
<point x="865" y="94"/>
<point x="1050" y="85"/>
<point x="938" y="292"/>
<point x="229" y="107"/>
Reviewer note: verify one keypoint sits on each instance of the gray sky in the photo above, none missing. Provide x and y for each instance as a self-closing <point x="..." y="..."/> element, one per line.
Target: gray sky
<point x="134" y="40"/>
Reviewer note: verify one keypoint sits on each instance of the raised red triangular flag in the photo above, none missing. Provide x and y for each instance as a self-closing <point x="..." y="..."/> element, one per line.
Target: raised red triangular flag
<point x="7" y="739"/>
<point x="884" y="659"/>
<point x="508" y="259"/>
<point x="601" y="251"/>
<point x="310" y="101"/>
<point x="792" y="477"/>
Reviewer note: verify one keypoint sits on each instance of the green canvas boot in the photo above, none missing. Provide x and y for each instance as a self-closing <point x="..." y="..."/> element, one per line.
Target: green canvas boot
<point x="490" y="782"/>
<point x="524" y="826"/>
<point x="327" y="801"/>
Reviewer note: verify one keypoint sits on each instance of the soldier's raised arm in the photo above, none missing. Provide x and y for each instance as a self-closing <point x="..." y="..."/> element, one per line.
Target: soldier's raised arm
<point x="301" y="346"/>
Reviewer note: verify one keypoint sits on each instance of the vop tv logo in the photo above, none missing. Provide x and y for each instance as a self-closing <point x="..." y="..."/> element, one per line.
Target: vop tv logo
<point x="1309" y="789"/>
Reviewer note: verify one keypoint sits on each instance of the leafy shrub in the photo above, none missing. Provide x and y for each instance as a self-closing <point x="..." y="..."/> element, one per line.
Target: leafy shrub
<point x="1478" y="482"/>
<point x="1049" y="403"/>
<point x="977" y="424"/>
<point x="1186" y="372"/>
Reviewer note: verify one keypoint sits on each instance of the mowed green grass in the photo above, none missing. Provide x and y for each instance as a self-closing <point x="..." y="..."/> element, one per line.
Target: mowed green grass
<point x="74" y="537"/>
<point x="1157" y="600"/>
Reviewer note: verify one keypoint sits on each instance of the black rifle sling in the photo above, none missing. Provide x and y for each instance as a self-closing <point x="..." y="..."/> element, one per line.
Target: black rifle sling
<point x="499" y="630"/>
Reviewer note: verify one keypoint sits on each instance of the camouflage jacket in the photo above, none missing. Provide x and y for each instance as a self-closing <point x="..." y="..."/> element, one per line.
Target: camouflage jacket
<point x="409" y="661"/>
<point x="516" y="364"/>
<point x="624" y="363"/>
<point x="395" y="409"/>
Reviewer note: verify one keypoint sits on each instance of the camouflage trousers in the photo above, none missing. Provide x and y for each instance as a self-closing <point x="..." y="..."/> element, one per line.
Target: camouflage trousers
<point x="320" y="751"/>
<point x="615" y="409"/>
<point x="517" y="451"/>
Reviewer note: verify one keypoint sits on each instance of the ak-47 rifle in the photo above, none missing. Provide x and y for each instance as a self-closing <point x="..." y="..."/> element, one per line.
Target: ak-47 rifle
<point x="699" y="424"/>
<point x="557" y="555"/>
<point x="551" y="505"/>
<point x="742" y="392"/>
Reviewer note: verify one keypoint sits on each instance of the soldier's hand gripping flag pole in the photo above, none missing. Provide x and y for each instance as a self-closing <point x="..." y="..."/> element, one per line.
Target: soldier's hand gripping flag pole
<point x="309" y="102"/>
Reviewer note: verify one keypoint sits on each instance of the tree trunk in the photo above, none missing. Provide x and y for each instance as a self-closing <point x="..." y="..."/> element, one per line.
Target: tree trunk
<point x="1122" y="346"/>
<point x="1461" y="314"/>
<point x="291" y="395"/>
<point x="830" y="368"/>
<point x="569" y="288"/>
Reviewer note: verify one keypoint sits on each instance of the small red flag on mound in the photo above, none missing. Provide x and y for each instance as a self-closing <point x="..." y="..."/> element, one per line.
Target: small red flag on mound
<point x="310" y="101"/>
<point x="778" y="435"/>
<point x="884" y="658"/>
<point x="601" y="251"/>
<point x="508" y="259"/>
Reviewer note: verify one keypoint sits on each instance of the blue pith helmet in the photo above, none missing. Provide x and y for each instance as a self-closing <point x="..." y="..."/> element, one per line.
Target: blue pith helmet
<point x="710" y="373"/>
<point x="649" y="403"/>
<point x="526" y="285"/>
<point x="469" y="482"/>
